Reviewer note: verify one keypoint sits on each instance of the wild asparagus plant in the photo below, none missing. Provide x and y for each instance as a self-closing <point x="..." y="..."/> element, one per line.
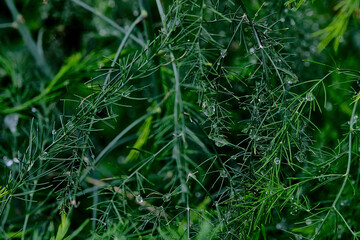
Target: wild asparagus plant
<point x="222" y="146"/>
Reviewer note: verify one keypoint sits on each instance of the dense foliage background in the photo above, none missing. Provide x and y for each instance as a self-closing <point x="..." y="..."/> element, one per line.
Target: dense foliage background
<point x="179" y="119"/>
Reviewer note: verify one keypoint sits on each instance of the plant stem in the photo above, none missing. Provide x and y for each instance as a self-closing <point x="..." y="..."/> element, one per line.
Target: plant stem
<point x="178" y="112"/>
<point x="108" y="20"/>
<point x="142" y="16"/>
<point x="258" y="40"/>
<point x="150" y="36"/>
<point x="7" y="25"/>
<point x="178" y="105"/>
<point x="26" y="36"/>
<point x="346" y="176"/>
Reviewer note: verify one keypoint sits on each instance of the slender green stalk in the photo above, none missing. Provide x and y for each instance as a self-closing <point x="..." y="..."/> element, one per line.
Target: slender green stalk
<point x="150" y="36"/>
<point x="179" y="129"/>
<point x="258" y="39"/>
<point x="117" y="55"/>
<point x="7" y="25"/>
<point x="28" y="208"/>
<point x="108" y="20"/>
<point x="142" y="16"/>
<point x="226" y="150"/>
<point x="26" y="36"/>
<point x="345" y="176"/>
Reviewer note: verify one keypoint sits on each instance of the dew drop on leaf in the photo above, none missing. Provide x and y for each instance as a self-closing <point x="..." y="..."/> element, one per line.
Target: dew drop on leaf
<point x="139" y="199"/>
<point x="219" y="142"/>
<point x="166" y="197"/>
<point x="355" y="118"/>
<point x="208" y="109"/>
<point x="223" y="174"/>
<point x="309" y="97"/>
<point x="11" y="121"/>
<point x="8" y="162"/>
<point x="223" y="53"/>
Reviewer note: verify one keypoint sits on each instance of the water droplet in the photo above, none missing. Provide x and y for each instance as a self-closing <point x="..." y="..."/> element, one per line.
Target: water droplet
<point x="166" y="197"/>
<point x="208" y="109"/>
<point x="308" y="221"/>
<point x="252" y="50"/>
<point x="310" y="13"/>
<point x="309" y="97"/>
<point x="282" y="19"/>
<point x="219" y="144"/>
<point x="328" y="106"/>
<point x="30" y="166"/>
<point x="15" y="160"/>
<point x="219" y="141"/>
<point x="139" y="199"/>
<point x="33" y="109"/>
<point x="223" y="53"/>
<point x="321" y="178"/>
<point x="125" y="94"/>
<point x="277" y="161"/>
<point x="102" y="32"/>
<point x="356" y="117"/>
<point x="53" y="132"/>
<point x="223" y="173"/>
<point x="245" y="130"/>
<point x="86" y="160"/>
<point x="8" y="162"/>
<point x="299" y="156"/>
<point x="11" y="121"/>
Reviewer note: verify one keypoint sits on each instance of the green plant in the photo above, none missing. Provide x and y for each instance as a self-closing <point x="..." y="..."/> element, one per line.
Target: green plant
<point x="196" y="125"/>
